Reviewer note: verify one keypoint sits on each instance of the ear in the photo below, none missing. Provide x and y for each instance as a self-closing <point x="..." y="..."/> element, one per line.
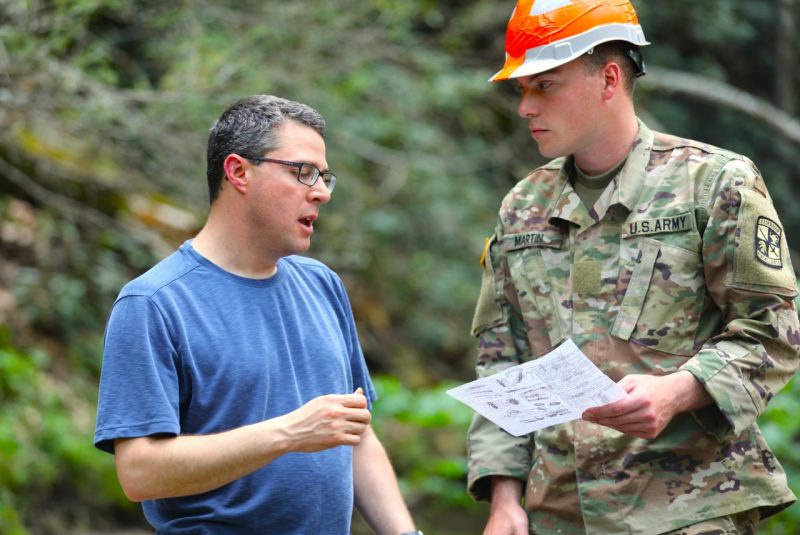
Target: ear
<point x="612" y="80"/>
<point x="237" y="172"/>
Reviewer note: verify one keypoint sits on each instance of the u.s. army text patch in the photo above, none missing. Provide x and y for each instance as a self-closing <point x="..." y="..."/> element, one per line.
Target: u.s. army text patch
<point x="768" y="242"/>
<point x="658" y="225"/>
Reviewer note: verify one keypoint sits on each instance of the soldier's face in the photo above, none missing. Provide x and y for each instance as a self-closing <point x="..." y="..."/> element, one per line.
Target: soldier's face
<point x="562" y="107"/>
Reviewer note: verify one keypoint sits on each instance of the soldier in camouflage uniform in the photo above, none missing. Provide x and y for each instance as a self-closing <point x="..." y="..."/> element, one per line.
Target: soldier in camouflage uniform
<point x="665" y="261"/>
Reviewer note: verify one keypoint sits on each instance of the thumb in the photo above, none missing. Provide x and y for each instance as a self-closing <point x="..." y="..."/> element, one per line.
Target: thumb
<point x="628" y="383"/>
<point x="357" y="399"/>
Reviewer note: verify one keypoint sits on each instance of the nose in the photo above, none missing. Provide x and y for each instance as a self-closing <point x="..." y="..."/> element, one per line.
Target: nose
<point x="527" y="106"/>
<point x="319" y="192"/>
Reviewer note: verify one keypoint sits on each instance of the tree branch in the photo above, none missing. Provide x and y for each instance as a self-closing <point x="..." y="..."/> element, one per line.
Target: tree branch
<point x="74" y="210"/>
<point x="725" y="95"/>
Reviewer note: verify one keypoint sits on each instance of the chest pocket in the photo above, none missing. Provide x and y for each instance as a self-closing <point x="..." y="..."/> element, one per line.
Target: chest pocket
<point x="664" y="298"/>
<point x="536" y="285"/>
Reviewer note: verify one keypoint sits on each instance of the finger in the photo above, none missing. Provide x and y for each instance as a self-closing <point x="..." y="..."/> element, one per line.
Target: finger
<point x="617" y="424"/>
<point x="628" y="383"/>
<point x="350" y="435"/>
<point x="356" y="428"/>
<point x="616" y="421"/>
<point x="359" y="415"/>
<point x="634" y="415"/>
<point x="355" y="400"/>
<point x="353" y="414"/>
<point x="618" y="408"/>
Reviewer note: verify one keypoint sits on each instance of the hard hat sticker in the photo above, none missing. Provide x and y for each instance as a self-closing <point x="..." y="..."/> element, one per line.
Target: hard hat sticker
<point x="543" y="6"/>
<point x="540" y="31"/>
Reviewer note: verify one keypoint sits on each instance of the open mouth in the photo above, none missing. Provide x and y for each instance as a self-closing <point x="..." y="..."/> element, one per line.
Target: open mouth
<point x="307" y="222"/>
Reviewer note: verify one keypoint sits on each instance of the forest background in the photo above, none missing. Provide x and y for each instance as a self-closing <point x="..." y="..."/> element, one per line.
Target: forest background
<point x="105" y="107"/>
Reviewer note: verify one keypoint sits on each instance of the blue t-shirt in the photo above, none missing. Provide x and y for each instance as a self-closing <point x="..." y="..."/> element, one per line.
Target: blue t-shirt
<point x="193" y="349"/>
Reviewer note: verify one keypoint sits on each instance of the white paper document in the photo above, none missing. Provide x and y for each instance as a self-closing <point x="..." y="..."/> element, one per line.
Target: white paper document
<point x="549" y="390"/>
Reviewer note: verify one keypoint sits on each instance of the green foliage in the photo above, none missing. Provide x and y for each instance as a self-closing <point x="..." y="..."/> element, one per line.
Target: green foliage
<point x="781" y="428"/>
<point x="45" y="443"/>
<point x="106" y="105"/>
<point x="711" y="38"/>
<point x="425" y="430"/>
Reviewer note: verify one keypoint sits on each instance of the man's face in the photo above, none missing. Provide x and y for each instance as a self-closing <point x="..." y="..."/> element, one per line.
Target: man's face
<point x="280" y="208"/>
<point x="562" y="107"/>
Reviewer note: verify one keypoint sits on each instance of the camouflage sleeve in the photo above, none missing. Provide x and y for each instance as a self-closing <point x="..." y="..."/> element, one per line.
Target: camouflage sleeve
<point x="501" y="342"/>
<point x="750" y="278"/>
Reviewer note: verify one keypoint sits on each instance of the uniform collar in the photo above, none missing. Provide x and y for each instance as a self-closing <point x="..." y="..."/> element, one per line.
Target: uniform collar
<point x="630" y="180"/>
<point x="627" y="186"/>
<point x="568" y="205"/>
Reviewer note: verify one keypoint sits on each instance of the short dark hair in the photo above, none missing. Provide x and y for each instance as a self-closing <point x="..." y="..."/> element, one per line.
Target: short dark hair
<point x="248" y="127"/>
<point x="616" y="51"/>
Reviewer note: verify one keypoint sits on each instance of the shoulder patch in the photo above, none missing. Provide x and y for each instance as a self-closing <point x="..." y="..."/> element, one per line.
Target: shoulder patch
<point x="761" y="254"/>
<point x="768" y="238"/>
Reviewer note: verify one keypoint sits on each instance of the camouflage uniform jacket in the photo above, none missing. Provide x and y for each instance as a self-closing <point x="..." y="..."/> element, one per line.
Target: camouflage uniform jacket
<point x="681" y="264"/>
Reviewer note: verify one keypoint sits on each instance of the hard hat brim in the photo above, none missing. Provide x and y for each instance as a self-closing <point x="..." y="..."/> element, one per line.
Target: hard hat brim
<point x="552" y="55"/>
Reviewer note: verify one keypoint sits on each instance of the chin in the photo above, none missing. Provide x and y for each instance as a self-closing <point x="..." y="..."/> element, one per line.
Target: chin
<point x="551" y="153"/>
<point x="302" y="248"/>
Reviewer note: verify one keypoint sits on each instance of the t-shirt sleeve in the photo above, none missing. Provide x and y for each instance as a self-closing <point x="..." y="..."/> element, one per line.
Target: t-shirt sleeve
<point x="358" y="365"/>
<point x="139" y="389"/>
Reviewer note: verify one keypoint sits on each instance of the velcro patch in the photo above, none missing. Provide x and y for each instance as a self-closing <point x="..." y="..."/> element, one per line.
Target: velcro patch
<point x="768" y="242"/>
<point x="587" y="277"/>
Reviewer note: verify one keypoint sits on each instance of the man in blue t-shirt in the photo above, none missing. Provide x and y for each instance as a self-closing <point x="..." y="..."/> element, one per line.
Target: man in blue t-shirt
<point x="234" y="393"/>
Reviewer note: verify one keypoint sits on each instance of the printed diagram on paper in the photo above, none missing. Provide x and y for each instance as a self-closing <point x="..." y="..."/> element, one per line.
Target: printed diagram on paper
<point x="550" y="390"/>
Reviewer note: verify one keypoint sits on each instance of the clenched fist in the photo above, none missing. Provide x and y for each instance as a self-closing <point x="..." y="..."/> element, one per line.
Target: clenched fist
<point x="327" y="421"/>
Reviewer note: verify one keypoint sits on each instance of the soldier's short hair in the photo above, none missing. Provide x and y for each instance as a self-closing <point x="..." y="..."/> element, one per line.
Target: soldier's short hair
<point x="616" y="51"/>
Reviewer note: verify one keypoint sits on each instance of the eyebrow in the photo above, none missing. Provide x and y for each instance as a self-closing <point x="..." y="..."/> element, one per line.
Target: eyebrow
<point x="307" y="162"/>
<point x="320" y="170"/>
<point x="554" y="70"/>
<point x="537" y="76"/>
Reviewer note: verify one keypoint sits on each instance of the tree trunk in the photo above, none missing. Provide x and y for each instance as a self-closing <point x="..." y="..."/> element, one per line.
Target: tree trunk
<point x="786" y="58"/>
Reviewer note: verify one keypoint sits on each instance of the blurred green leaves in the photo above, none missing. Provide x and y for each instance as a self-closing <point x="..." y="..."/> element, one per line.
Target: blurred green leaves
<point x="106" y="106"/>
<point x="45" y="428"/>
<point x="425" y="430"/>
<point x="781" y="428"/>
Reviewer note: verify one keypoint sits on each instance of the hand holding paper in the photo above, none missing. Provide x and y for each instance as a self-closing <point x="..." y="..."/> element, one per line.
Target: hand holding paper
<point x="549" y="390"/>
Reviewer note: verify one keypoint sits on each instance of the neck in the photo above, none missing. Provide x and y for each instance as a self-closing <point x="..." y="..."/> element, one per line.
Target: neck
<point x="615" y="139"/>
<point x="226" y="244"/>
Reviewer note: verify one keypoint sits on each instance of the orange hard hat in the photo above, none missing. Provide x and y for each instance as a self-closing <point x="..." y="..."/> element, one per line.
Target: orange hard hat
<point x="543" y="34"/>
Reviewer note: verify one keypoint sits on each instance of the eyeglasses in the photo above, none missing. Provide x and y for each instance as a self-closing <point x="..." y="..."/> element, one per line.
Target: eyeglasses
<point x="306" y="173"/>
